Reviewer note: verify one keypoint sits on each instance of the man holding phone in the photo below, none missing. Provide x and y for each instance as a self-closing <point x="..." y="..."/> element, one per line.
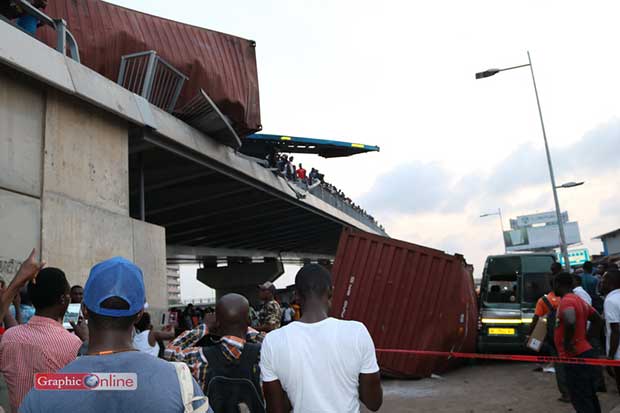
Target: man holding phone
<point x="42" y="345"/>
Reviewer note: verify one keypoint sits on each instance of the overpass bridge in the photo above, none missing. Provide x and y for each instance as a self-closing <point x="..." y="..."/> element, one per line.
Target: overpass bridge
<point x="89" y="170"/>
<point x="207" y="195"/>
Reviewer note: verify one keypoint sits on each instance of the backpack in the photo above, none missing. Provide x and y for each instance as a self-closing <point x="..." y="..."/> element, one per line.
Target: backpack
<point x="186" y="382"/>
<point x="233" y="383"/>
<point x="551" y="321"/>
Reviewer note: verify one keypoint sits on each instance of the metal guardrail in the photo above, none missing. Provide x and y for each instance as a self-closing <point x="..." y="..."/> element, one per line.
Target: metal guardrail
<point x="151" y="77"/>
<point x="203" y="114"/>
<point x="199" y="301"/>
<point x="320" y="192"/>
<point x="64" y="37"/>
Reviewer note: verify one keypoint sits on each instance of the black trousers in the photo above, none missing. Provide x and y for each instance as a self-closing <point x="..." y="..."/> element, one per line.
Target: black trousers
<point x="600" y="376"/>
<point x="617" y="374"/>
<point x="582" y="385"/>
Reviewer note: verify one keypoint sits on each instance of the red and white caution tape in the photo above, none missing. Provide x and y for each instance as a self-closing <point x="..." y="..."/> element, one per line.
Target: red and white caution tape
<point x="508" y="357"/>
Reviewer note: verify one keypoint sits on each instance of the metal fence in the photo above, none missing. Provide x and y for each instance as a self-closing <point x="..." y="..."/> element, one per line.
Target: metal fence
<point x="64" y="38"/>
<point x="150" y="76"/>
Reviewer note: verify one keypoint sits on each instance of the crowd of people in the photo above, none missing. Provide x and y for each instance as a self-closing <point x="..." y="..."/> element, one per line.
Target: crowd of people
<point x="582" y="314"/>
<point x="285" y="166"/>
<point x="289" y="358"/>
<point x="191" y="316"/>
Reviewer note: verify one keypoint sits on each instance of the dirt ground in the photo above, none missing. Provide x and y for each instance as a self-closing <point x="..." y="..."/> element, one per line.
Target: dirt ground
<point x="486" y="387"/>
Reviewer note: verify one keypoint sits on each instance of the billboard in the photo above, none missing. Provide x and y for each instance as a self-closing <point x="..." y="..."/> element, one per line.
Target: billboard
<point x="537" y="219"/>
<point x="545" y="237"/>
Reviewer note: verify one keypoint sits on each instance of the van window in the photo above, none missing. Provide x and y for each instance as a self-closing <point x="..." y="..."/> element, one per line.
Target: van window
<point x="534" y="287"/>
<point x="537" y="264"/>
<point x="504" y="265"/>
<point x="502" y="289"/>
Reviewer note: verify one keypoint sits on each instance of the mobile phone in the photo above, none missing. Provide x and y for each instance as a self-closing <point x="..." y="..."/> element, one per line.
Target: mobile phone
<point x="72" y="314"/>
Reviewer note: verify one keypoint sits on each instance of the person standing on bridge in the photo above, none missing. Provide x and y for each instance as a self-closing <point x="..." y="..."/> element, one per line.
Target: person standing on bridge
<point x="270" y="315"/>
<point x="571" y="341"/>
<point x="291" y="171"/>
<point x="301" y="173"/>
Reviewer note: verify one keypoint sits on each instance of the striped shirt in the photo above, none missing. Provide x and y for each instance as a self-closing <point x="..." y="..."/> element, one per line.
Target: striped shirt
<point x="40" y="346"/>
<point x="183" y="349"/>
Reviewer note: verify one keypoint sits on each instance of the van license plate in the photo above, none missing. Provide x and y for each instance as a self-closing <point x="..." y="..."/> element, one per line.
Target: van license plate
<point x="502" y="331"/>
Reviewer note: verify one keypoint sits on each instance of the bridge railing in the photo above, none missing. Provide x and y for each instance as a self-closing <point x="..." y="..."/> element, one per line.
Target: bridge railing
<point x="199" y="301"/>
<point x="338" y="202"/>
<point x="64" y="37"/>
<point x="151" y="77"/>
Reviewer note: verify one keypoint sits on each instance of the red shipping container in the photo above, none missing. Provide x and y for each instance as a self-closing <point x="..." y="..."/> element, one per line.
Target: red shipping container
<point x="409" y="297"/>
<point x="221" y="64"/>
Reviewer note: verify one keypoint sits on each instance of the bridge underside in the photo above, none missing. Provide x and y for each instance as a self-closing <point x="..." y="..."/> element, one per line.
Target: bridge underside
<point x="203" y="203"/>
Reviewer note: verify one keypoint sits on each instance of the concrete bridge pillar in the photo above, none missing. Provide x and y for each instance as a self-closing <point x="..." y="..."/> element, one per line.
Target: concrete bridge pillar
<point x="241" y="276"/>
<point x="64" y="188"/>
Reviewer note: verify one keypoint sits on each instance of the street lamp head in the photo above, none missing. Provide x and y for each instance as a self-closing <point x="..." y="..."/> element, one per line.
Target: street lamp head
<point x="571" y="184"/>
<point x="487" y="73"/>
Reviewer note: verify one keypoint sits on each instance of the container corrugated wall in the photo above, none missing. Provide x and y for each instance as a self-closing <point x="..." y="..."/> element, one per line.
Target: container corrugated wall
<point x="408" y="296"/>
<point x="221" y="64"/>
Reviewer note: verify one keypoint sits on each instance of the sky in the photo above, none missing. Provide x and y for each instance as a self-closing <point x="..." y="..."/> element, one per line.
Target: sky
<point x="400" y="74"/>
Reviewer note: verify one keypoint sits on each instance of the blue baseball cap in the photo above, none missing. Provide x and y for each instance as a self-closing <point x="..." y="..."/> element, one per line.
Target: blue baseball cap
<point x="116" y="277"/>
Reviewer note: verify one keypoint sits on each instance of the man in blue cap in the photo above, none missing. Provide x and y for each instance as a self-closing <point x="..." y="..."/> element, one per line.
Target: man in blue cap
<point x="114" y="298"/>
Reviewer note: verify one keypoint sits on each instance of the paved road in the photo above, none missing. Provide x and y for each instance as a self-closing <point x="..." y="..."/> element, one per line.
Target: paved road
<point x="489" y="387"/>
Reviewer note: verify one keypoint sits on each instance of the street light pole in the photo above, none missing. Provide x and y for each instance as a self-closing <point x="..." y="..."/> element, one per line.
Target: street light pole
<point x="558" y="212"/>
<point x="501" y="223"/>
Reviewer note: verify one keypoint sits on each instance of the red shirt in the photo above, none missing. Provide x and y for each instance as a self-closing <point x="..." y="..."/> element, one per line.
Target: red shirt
<point x="301" y="173"/>
<point x="582" y="311"/>
<point x="41" y="346"/>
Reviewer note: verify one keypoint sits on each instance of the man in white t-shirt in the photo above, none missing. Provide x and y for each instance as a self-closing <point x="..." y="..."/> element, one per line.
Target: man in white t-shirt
<point x="319" y="364"/>
<point x="611" y="286"/>
<point x="578" y="289"/>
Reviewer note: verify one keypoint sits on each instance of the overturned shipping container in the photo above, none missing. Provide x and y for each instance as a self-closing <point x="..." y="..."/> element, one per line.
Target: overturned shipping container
<point x="224" y="66"/>
<point x="410" y="297"/>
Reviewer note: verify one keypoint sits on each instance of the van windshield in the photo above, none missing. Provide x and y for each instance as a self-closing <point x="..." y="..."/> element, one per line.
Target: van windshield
<point x="517" y="279"/>
<point x="503" y="280"/>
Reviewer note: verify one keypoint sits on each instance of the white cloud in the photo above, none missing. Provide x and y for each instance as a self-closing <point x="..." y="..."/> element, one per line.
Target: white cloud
<point x="444" y="208"/>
